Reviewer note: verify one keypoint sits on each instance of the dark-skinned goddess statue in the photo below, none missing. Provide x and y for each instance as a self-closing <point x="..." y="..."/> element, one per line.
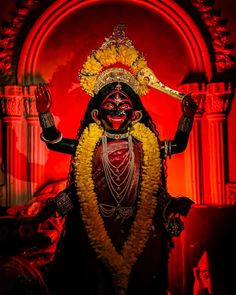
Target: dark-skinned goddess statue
<point x="119" y="220"/>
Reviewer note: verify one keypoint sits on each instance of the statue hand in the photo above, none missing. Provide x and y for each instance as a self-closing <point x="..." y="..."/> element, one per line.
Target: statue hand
<point x="180" y="206"/>
<point x="43" y="98"/>
<point x="189" y="106"/>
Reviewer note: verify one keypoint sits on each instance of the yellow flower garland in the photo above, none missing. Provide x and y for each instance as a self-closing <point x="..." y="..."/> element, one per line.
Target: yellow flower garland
<point x="105" y="57"/>
<point x="120" y="264"/>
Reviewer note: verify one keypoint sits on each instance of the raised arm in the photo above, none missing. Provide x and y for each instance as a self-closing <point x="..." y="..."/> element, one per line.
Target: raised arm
<point x="50" y="134"/>
<point x="180" y="141"/>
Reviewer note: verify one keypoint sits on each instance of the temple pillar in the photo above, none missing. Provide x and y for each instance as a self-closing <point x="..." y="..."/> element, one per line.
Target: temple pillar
<point x="11" y="113"/>
<point x="35" y="147"/>
<point x="193" y="152"/>
<point x="217" y="100"/>
<point x="2" y="175"/>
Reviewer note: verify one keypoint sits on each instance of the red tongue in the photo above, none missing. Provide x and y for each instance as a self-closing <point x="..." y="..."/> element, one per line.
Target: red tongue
<point x="116" y="121"/>
<point x="116" y="124"/>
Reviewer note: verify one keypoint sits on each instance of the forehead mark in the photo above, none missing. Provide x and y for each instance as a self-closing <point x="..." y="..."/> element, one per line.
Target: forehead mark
<point x="117" y="97"/>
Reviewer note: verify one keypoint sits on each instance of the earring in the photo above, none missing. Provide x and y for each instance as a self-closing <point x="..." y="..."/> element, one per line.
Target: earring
<point x="98" y="122"/>
<point x="140" y="115"/>
<point x="94" y="115"/>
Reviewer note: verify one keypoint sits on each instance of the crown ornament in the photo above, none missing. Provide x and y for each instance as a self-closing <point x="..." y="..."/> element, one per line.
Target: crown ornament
<point x="117" y="60"/>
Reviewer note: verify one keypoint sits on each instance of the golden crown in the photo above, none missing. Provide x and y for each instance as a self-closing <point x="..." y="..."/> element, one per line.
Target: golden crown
<point x="118" y="61"/>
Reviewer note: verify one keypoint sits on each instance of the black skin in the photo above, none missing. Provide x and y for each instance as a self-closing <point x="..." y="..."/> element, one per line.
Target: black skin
<point x="189" y="106"/>
<point x="179" y="205"/>
<point x="119" y="106"/>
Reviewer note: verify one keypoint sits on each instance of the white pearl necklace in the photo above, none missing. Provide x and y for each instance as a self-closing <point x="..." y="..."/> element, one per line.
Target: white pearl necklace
<point x="118" y="189"/>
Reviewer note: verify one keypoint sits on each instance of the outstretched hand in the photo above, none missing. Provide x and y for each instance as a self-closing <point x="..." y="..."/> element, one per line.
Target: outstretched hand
<point x="189" y="106"/>
<point x="180" y="206"/>
<point x="43" y="98"/>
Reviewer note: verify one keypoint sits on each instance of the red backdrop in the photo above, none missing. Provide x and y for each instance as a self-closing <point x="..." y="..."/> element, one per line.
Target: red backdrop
<point x="61" y="50"/>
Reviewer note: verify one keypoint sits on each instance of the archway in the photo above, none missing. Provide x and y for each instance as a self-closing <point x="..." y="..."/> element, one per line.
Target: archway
<point x="65" y="34"/>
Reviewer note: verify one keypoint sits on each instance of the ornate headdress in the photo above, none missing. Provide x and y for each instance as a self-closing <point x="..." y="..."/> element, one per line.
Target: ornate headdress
<point x="118" y="61"/>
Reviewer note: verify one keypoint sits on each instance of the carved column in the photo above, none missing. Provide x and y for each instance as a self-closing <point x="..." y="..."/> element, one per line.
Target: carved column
<point x="35" y="147"/>
<point x="193" y="153"/>
<point x="11" y="112"/>
<point x="2" y="176"/>
<point x="217" y="99"/>
<point x="231" y="193"/>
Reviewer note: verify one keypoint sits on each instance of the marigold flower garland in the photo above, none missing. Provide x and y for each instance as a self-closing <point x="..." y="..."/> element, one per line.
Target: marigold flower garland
<point x="120" y="264"/>
<point x="105" y="57"/>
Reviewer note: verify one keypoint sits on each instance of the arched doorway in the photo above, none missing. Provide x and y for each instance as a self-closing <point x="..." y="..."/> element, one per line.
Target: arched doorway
<point x="65" y="34"/>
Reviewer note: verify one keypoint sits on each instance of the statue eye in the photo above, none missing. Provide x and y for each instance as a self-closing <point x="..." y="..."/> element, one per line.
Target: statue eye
<point x="125" y="107"/>
<point x="108" y="106"/>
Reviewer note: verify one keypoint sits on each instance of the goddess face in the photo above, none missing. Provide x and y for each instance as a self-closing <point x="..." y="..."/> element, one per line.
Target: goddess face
<point x="116" y="112"/>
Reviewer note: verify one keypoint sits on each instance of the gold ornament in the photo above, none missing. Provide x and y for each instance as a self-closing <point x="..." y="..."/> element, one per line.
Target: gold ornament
<point x="118" y="61"/>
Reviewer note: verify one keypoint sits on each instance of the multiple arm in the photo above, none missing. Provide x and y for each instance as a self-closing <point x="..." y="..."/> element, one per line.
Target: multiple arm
<point x="174" y="207"/>
<point x="62" y="203"/>
<point x="55" y="141"/>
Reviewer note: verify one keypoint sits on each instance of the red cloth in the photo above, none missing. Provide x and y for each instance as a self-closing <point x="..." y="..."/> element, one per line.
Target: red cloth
<point x="43" y="253"/>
